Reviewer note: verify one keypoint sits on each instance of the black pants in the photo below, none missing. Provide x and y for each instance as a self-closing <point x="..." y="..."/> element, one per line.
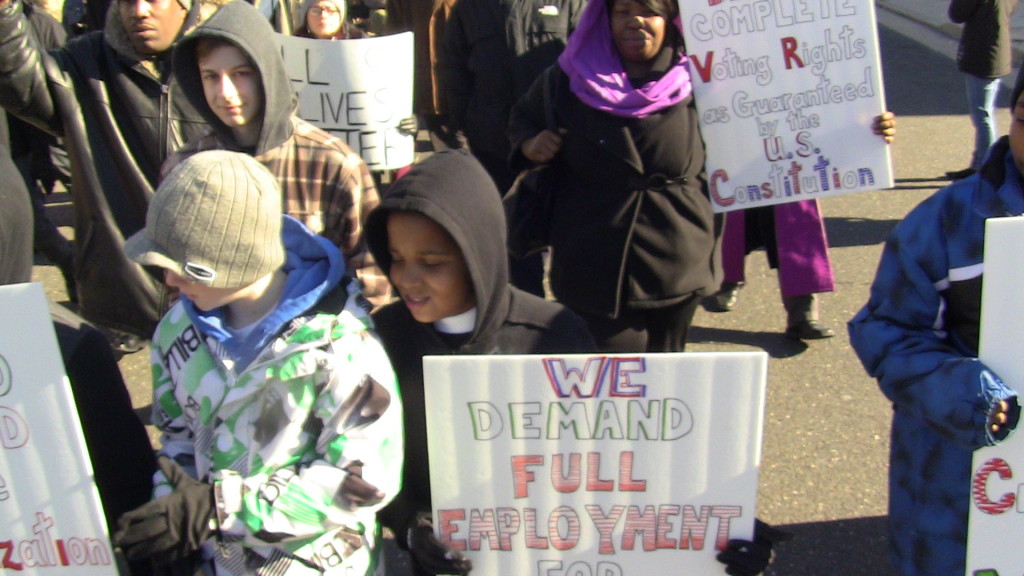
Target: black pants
<point x="122" y="457"/>
<point x="47" y="239"/>
<point x="650" y="330"/>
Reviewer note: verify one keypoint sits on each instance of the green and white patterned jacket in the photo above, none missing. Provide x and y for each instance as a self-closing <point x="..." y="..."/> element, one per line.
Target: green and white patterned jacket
<point x="279" y="437"/>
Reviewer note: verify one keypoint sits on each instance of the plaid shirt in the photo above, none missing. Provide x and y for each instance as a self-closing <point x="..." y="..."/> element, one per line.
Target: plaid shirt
<point x="326" y="186"/>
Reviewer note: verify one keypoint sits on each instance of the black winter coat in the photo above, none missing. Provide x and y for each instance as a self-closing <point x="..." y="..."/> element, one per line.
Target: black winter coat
<point x="493" y="51"/>
<point x="632" y="225"/>
<point x="986" y="45"/>
<point x="15" y="218"/>
<point x="120" y="116"/>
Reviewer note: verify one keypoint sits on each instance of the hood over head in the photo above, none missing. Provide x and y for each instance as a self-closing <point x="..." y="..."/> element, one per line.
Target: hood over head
<point x="241" y="24"/>
<point x="453" y="189"/>
<point x="115" y="36"/>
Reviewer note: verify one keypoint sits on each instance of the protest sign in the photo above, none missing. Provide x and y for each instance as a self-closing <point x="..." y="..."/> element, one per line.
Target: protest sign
<point x="786" y="91"/>
<point x="594" y="465"/>
<point x="358" y="90"/>
<point x="997" y="483"/>
<point x="51" y="520"/>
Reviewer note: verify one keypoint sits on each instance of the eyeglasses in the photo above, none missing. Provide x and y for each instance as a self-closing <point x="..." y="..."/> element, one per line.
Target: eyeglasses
<point x="318" y="10"/>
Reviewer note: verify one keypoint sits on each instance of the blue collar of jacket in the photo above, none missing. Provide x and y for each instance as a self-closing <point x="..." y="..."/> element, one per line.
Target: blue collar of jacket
<point x="314" y="267"/>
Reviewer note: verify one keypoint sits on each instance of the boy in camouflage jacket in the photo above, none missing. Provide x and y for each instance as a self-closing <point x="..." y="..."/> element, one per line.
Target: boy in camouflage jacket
<point x="279" y="411"/>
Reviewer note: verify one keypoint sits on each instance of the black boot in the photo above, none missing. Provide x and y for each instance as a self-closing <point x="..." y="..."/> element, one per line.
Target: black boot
<point x="960" y="174"/>
<point x="802" y="318"/>
<point x="725" y="299"/>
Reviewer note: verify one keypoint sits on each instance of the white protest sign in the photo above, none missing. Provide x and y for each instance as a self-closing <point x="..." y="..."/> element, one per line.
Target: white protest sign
<point x="787" y="91"/>
<point x="594" y="465"/>
<point x="51" y="520"/>
<point x="997" y="483"/>
<point x="358" y="90"/>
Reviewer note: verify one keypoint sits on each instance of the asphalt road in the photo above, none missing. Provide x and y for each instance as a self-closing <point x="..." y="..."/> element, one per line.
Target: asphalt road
<point x="825" y="462"/>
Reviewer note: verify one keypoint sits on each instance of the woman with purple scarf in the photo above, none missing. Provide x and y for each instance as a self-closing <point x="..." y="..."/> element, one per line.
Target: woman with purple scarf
<point x="632" y="236"/>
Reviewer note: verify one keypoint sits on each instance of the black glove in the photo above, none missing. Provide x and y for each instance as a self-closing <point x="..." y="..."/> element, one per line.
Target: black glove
<point x="429" y="555"/>
<point x="357" y="492"/>
<point x="170" y="528"/>
<point x="746" y="558"/>
<point x="1011" y="416"/>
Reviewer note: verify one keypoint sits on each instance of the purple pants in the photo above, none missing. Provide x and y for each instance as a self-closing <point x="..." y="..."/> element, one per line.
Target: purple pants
<point x="804" y="266"/>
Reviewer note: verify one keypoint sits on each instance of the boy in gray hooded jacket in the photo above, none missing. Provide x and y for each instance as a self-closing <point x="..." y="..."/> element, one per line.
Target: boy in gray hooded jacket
<point x="235" y="76"/>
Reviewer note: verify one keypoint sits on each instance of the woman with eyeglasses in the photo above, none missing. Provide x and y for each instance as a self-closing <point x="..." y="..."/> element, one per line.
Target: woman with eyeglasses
<point x="325" y="20"/>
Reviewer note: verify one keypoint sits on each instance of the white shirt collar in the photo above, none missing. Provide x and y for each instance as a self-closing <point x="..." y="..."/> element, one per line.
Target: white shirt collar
<point x="458" y="324"/>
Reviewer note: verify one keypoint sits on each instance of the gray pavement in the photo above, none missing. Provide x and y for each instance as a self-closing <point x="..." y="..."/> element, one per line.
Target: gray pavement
<point x="825" y="450"/>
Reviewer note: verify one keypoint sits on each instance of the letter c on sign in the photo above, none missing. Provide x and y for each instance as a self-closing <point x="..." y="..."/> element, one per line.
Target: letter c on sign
<point x="718" y="197"/>
<point x="978" y="487"/>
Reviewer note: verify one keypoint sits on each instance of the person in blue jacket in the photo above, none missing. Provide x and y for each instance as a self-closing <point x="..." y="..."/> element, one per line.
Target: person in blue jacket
<point x="918" y="335"/>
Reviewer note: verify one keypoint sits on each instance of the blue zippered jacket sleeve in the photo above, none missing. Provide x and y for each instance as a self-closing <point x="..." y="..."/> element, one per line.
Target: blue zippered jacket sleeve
<point x="901" y="335"/>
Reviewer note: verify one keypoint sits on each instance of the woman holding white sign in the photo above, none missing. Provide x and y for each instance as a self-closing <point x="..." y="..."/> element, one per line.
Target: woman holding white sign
<point x="326" y="20"/>
<point x="633" y="238"/>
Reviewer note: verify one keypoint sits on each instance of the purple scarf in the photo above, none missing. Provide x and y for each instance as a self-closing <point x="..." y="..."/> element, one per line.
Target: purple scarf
<point x="598" y="78"/>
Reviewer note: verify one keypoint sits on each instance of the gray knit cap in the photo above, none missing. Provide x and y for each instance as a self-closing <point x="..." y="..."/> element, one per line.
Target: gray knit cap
<point x="216" y="220"/>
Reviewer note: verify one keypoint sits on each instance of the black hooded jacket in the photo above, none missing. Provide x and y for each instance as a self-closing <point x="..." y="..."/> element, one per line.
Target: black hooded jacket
<point x="452" y="189"/>
<point x="15" y="219"/>
<point x="493" y="51"/>
<point x="240" y="24"/>
<point x="121" y="114"/>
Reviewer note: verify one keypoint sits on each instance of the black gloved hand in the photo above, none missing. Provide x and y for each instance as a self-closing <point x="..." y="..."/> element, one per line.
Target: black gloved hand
<point x="355" y="491"/>
<point x="170" y="528"/>
<point x="746" y="558"/>
<point x="431" y="556"/>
